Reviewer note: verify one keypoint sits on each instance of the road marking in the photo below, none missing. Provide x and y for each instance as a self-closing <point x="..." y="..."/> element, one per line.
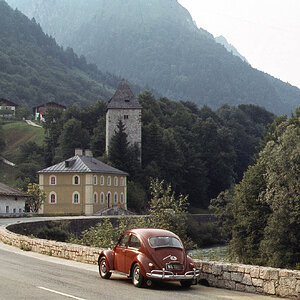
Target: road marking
<point x="60" y="293"/>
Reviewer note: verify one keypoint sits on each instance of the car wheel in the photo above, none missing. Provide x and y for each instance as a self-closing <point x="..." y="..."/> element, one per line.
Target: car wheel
<point x="102" y="268"/>
<point x="186" y="283"/>
<point x="137" y="276"/>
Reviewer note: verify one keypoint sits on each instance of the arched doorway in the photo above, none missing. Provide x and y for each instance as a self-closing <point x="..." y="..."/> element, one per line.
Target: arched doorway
<point x="108" y="200"/>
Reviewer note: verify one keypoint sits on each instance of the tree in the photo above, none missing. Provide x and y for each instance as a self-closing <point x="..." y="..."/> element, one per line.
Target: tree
<point x="280" y="247"/>
<point x="118" y="151"/>
<point x="53" y="127"/>
<point x="249" y="216"/>
<point x="73" y="136"/>
<point x="36" y="197"/>
<point x="23" y="112"/>
<point x="167" y="211"/>
<point x="265" y="209"/>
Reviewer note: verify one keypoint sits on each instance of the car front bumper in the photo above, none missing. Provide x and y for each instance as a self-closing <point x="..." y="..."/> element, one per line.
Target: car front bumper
<point x="168" y="275"/>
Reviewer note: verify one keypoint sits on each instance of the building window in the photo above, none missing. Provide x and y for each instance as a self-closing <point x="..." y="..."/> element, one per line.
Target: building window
<point x="76" y="180"/>
<point x="116" y="198"/>
<point x="116" y="181"/>
<point x="76" y="198"/>
<point x="14" y="210"/>
<point x="126" y="117"/>
<point x="7" y="209"/>
<point x="95" y="197"/>
<point x="108" y="180"/>
<point x="20" y="210"/>
<point x="102" y="197"/>
<point x="95" y="180"/>
<point x="52" y="180"/>
<point x="102" y="180"/>
<point x="122" y="198"/>
<point x="122" y="181"/>
<point x="52" y="198"/>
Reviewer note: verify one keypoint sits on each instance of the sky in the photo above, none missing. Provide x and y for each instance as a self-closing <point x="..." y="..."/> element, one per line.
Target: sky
<point x="265" y="32"/>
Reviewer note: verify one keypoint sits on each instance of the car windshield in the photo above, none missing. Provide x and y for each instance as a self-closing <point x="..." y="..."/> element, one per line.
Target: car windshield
<point x="164" y="241"/>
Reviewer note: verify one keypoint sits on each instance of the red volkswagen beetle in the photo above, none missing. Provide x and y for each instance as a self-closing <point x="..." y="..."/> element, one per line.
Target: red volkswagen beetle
<point x="147" y="254"/>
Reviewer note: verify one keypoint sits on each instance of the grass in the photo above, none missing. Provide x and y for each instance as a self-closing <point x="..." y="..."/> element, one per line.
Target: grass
<point x="17" y="133"/>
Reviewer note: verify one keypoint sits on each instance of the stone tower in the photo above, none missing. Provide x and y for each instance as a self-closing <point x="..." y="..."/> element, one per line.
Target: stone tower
<point x="124" y="106"/>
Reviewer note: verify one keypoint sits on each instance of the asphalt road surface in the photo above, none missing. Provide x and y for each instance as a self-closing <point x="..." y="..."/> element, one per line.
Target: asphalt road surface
<point x="28" y="275"/>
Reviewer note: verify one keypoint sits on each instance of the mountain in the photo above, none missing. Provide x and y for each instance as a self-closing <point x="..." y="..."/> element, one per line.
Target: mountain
<point x="230" y="48"/>
<point x="35" y="70"/>
<point x="156" y="43"/>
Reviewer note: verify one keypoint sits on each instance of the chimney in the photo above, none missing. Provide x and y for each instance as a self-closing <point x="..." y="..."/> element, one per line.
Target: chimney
<point x="78" y="151"/>
<point x="88" y="153"/>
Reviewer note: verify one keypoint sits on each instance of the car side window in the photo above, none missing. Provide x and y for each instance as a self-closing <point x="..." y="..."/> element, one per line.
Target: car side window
<point x="123" y="240"/>
<point x="134" y="242"/>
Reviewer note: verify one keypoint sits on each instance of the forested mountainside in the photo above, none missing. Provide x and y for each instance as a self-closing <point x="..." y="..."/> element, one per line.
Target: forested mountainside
<point x="156" y="43"/>
<point x="35" y="70"/>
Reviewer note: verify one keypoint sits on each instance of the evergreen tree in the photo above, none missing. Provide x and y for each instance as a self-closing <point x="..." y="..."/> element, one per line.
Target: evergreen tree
<point x="73" y="136"/>
<point x="118" y="152"/>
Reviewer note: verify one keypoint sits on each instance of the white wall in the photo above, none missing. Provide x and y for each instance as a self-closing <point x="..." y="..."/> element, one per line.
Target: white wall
<point x="14" y="206"/>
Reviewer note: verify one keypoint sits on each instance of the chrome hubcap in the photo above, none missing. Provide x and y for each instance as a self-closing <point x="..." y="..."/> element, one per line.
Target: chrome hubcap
<point x="103" y="267"/>
<point x="136" y="275"/>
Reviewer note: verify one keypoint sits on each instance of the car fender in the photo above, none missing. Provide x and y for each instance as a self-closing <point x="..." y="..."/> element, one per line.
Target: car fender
<point x="108" y="254"/>
<point x="189" y="262"/>
<point x="143" y="260"/>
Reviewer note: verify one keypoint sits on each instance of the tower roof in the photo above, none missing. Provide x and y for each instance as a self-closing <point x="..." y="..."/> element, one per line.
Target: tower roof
<point x="123" y="98"/>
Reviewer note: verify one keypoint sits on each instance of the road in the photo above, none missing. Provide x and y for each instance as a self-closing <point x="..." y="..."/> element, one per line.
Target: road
<point x="28" y="275"/>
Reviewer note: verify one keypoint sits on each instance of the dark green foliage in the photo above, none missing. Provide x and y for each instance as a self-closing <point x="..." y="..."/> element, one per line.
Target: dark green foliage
<point x="199" y="151"/>
<point x="204" y="234"/>
<point x="52" y="231"/>
<point x="137" y="196"/>
<point x="73" y="136"/>
<point x="264" y="212"/>
<point x="157" y="43"/>
<point x="2" y="141"/>
<point x="23" y="112"/>
<point x="118" y="151"/>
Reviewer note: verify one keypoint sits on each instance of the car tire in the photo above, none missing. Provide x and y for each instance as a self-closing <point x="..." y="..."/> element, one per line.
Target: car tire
<point x="102" y="268"/>
<point x="186" y="283"/>
<point x="137" y="276"/>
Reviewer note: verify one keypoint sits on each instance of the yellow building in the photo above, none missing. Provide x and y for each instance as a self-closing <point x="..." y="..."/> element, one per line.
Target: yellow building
<point x="82" y="185"/>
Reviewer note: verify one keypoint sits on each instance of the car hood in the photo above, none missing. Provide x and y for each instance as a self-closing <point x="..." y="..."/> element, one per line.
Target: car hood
<point x="162" y="256"/>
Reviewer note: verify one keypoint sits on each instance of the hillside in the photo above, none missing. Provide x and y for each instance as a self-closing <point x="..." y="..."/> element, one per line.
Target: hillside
<point x="156" y="43"/>
<point x="35" y="70"/>
<point x="18" y="133"/>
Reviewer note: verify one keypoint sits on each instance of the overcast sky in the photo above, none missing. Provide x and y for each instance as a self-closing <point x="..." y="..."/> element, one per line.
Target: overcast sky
<point x="266" y="32"/>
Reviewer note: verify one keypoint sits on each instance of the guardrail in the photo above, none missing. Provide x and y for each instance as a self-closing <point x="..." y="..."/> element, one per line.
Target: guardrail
<point x="245" y="278"/>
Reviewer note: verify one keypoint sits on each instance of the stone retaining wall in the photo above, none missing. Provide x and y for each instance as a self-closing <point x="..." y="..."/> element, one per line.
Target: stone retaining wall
<point x="251" y="279"/>
<point x="244" y="278"/>
<point x="64" y="250"/>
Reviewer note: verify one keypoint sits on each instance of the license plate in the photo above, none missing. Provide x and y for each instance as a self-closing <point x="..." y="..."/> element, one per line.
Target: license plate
<point x="171" y="267"/>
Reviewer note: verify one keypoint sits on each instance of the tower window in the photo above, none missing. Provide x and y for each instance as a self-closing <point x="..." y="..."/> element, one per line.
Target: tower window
<point x="126" y="117"/>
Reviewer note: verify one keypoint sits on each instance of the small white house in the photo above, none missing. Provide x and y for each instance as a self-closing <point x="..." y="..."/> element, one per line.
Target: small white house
<point x="12" y="201"/>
